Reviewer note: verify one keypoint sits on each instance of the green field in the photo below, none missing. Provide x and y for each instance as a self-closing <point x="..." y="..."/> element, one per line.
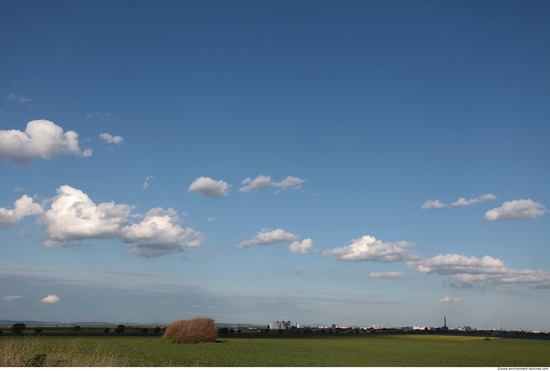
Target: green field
<point x="298" y="351"/>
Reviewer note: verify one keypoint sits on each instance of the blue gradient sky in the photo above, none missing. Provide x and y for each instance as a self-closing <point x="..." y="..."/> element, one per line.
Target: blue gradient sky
<point x="370" y="118"/>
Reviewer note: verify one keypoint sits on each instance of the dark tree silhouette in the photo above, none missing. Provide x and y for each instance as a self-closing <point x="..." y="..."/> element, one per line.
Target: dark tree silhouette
<point x="17" y="328"/>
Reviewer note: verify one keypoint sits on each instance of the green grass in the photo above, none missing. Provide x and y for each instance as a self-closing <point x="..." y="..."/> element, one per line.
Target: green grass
<point x="306" y="351"/>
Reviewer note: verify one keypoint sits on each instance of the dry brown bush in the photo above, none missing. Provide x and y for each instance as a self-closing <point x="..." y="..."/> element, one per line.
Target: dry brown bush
<point x="192" y="331"/>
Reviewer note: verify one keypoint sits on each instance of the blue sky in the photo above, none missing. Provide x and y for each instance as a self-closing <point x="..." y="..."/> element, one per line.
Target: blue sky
<point x="348" y="162"/>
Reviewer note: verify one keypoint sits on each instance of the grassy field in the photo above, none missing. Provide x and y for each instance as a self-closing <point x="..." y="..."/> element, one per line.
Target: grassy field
<point x="362" y="350"/>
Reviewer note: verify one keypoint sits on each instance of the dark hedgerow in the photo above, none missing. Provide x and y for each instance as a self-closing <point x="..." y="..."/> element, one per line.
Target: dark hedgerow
<point x="192" y="331"/>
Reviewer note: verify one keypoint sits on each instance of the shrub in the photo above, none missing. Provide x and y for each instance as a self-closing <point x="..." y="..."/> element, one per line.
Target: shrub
<point x="192" y="331"/>
<point x="17" y="328"/>
<point x="120" y="329"/>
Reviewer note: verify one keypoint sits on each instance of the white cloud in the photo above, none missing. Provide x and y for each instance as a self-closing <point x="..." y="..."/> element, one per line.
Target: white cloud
<point x="159" y="234"/>
<point x="385" y="274"/>
<point x="451" y="264"/>
<point x="448" y="299"/>
<point x="41" y="138"/>
<point x="147" y="180"/>
<point x="211" y="219"/>
<point x="50" y="299"/>
<point x="299" y="270"/>
<point x="12" y="297"/>
<point x="264" y="181"/>
<point x="470" y="271"/>
<point x="73" y="216"/>
<point x="18" y="97"/>
<point x="25" y="206"/>
<point x="266" y="237"/>
<point x="101" y="116"/>
<point x="301" y="247"/>
<point x="209" y="187"/>
<point x="111" y="139"/>
<point x="433" y="204"/>
<point x="518" y="209"/>
<point x="289" y="181"/>
<point x="368" y="248"/>
<point x="464" y="202"/>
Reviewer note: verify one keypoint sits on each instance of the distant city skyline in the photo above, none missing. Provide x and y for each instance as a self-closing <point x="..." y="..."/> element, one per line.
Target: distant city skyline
<point x="355" y="162"/>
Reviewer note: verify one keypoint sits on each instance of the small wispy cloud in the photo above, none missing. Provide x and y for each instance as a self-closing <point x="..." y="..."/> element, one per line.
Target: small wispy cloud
<point x="265" y="182"/>
<point x="267" y="237"/>
<point x="147" y="180"/>
<point x="101" y="116"/>
<point x="111" y="139"/>
<point x="18" y="97"/>
<point x="433" y="204"/>
<point x="385" y="274"/>
<point x="461" y="202"/>
<point x="50" y="299"/>
<point x="211" y="219"/>
<point x="448" y="299"/>
<point x="12" y="297"/>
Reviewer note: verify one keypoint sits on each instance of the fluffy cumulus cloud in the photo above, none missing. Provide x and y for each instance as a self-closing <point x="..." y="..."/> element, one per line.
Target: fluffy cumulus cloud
<point x="111" y="139"/>
<point x="518" y="209"/>
<point x="267" y="237"/>
<point x="50" y="299"/>
<point x="41" y="138"/>
<point x="209" y="187"/>
<point x="368" y="248"/>
<point x="464" y="202"/>
<point x="433" y="204"/>
<point x="385" y="274"/>
<point x="470" y="271"/>
<point x="159" y="234"/>
<point x="25" y="206"/>
<point x="301" y="247"/>
<point x="448" y="299"/>
<point x="73" y="216"/>
<point x="265" y="182"/>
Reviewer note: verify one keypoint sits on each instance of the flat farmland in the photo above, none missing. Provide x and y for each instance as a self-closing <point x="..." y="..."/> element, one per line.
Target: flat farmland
<point x="306" y="351"/>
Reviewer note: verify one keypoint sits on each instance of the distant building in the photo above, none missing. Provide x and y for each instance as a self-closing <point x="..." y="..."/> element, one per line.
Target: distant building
<point x="282" y="325"/>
